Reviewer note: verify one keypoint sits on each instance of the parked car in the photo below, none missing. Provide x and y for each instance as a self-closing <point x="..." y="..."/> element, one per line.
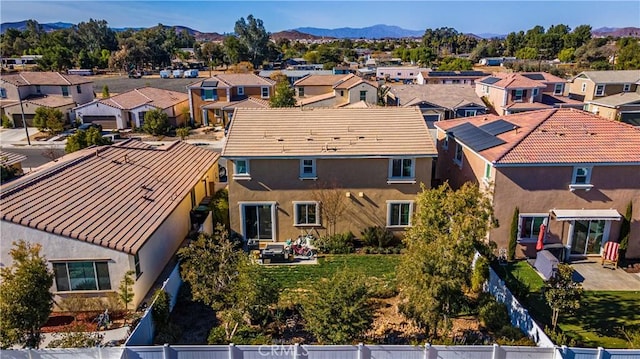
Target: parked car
<point x="86" y="126"/>
<point x="134" y="74"/>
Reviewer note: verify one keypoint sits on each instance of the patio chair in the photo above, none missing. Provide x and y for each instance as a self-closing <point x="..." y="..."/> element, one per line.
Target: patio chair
<point x="610" y="253"/>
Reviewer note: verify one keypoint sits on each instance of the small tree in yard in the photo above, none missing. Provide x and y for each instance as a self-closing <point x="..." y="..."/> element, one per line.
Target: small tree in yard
<point x="562" y="293"/>
<point x="49" y="120"/>
<point x="625" y="229"/>
<point x="105" y="91"/>
<point x="338" y="310"/>
<point x="285" y="95"/>
<point x="333" y="203"/>
<point x="125" y="291"/>
<point x="183" y="132"/>
<point x="156" y="122"/>
<point x="25" y="299"/>
<point x="83" y="139"/>
<point x="513" y="235"/>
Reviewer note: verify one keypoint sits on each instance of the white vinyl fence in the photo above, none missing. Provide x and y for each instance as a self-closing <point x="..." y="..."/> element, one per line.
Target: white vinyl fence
<point x="142" y="334"/>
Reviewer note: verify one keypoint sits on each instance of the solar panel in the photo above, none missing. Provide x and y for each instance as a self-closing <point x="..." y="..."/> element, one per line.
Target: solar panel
<point x="209" y="83"/>
<point x="497" y="127"/>
<point x="472" y="73"/>
<point x="537" y="77"/>
<point x="441" y="73"/>
<point x="490" y="80"/>
<point x="472" y="136"/>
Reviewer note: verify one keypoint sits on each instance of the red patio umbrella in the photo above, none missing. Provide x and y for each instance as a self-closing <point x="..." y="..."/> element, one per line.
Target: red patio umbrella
<point x="540" y="243"/>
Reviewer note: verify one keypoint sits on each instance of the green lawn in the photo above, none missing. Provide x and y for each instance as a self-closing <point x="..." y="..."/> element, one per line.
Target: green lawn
<point x="300" y="276"/>
<point x="597" y="323"/>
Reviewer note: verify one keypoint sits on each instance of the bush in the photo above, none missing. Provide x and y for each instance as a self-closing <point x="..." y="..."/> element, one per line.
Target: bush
<point x="220" y="207"/>
<point x="377" y="236"/>
<point x="183" y="132"/>
<point x="480" y="274"/>
<point x="245" y="335"/>
<point x="382" y="288"/>
<point x="6" y="122"/>
<point x="156" y="122"/>
<point x="494" y="316"/>
<point x="341" y="243"/>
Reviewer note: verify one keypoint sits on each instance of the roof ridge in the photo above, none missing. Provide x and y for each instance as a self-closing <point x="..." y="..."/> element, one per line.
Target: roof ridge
<point x="64" y="78"/>
<point x="24" y="79"/>
<point x="143" y="95"/>
<point x="516" y="143"/>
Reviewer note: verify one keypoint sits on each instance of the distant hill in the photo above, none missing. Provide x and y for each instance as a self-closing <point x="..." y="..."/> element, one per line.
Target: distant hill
<point x="616" y="32"/>
<point x="293" y="35"/>
<point x="371" y="32"/>
<point x="22" y="25"/>
<point x="488" y="35"/>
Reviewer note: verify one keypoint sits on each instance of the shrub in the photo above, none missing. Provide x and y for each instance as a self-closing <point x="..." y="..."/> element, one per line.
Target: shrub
<point x="245" y="335"/>
<point x="341" y="243"/>
<point x="494" y="316"/>
<point x="480" y="274"/>
<point x="6" y="122"/>
<point x="156" y="122"/>
<point x="183" y="132"/>
<point x="382" y="288"/>
<point x="377" y="236"/>
<point x="220" y="207"/>
<point x="513" y="235"/>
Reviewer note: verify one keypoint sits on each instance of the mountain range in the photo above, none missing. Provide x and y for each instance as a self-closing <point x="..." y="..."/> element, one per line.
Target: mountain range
<point x="379" y="31"/>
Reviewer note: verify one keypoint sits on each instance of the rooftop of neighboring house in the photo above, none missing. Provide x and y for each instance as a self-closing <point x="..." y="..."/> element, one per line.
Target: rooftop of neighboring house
<point x="447" y="96"/>
<point x="315" y="99"/>
<point x="52" y="101"/>
<point x="543" y="77"/>
<point x="453" y="74"/>
<point x="510" y="81"/>
<point x="552" y="136"/>
<point x="558" y="101"/>
<point x="249" y="102"/>
<point x="353" y="81"/>
<point x="11" y="158"/>
<point x="296" y="73"/>
<point x="29" y="78"/>
<point x="152" y="96"/>
<point x="328" y="132"/>
<point x="112" y="196"/>
<point x="610" y="76"/>
<point x="321" y="80"/>
<point x="233" y="80"/>
<point x="616" y="100"/>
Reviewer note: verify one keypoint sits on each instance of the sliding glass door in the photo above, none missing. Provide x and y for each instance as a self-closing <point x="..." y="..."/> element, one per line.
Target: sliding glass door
<point x="258" y="221"/>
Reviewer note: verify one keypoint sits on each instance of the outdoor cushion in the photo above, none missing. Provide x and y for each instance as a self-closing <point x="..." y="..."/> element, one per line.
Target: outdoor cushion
<point x="610" y="253"/>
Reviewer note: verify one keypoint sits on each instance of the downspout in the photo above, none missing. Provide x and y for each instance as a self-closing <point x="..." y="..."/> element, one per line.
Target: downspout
<point x="191" y="113"/>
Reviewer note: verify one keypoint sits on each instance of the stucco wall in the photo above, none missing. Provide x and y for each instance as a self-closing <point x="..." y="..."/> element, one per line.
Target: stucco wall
<point x="372" y="93"/>
<point x="283" y="186"/>
<point x="56" y="248"/>
<point x="99" y="109"/>
<point x="310" y="91"/>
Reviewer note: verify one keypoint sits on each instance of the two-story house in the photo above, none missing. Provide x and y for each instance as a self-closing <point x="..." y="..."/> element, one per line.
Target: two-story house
<point x="569" y="169"/>
<point x="335" y="90"/>
<point x="127" y="109"/>
<point x="291" y="169"/>
<point x="25" y="92"/>
<point x="209" y="98"/>
<point x="449" y="77"/>
<point x="623" y="107"/>
<point x="398" y="73"/>
<point x="103" y="211"/>
<point x="591" y="85"/>
<point x="438" y="102"/>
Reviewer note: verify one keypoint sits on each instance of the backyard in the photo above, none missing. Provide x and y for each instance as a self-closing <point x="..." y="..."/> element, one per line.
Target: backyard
<point x="598" y="322"/>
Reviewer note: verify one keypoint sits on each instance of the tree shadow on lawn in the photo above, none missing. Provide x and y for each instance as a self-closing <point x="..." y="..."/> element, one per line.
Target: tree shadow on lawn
<point x="606" y="313"/>
<point x="195" y="319"/>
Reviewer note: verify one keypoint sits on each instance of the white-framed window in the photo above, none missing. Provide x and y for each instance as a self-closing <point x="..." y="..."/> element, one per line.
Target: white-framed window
<point x="264" y="91"/>
<point x="301" y="91"/>
<point x="529" y="226"/>
<point x="517" y="95"/>
<point x="258" y="220"/>
<point x="485" y="89"/>
<point x="468" y="113"/>
<point x="241" y="169"/>
<point x="3" y="92"/>
<point x="626" y="88"/>
<point x="240" y="90"/>
<point x="308" y="168"/>
<point x="535" y="91"/>
<point x="558" y="89"/>
<point x="306" y="213"/>
<point x="599" y="90"/>
<point x="402" y="170"/>
<point x="584" y="87"/>
<point x="581" y="178"/>
<point x="363" y="95"/>
<point x="81" y="276"/>
<point x="399" y="213"/>
<point x="209" y="94"/>
<point x="459" y="155"/>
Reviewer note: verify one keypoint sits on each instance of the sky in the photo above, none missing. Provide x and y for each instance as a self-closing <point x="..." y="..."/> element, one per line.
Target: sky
<point x="479" y="17"/>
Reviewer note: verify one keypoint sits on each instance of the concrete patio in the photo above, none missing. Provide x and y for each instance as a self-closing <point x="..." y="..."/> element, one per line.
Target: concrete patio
<point x="596" y="277"/>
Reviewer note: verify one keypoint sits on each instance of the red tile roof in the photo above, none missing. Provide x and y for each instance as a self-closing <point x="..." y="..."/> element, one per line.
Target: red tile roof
<point x="156" y="97"/>
<point x="11" y="158"/>
<point x="112" y="196"/>
<point x="512" y="81"/>
<point x="558" y="136"/>
<point x="27" y="78"/>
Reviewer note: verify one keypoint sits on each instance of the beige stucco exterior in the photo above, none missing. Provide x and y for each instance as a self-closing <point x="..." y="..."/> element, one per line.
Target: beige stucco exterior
<point x="589" y="93"/>
<point x="540" y="189"/>
<point x="360" y="183"/>
<point x="225" y="95"/>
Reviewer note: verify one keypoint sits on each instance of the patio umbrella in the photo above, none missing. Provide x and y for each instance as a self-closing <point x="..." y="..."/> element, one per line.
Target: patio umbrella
<point x="540" y="243"/>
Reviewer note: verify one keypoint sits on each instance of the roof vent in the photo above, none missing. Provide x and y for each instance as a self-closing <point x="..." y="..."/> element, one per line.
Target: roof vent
<point x="360" y="137"/>
<point x="335" y="138"/>
<point x="309" y="138"/>
<point x="280" y="139"/>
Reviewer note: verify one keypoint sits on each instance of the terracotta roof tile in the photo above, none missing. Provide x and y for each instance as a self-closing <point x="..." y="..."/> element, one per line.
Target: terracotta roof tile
<point x="231" y="80"/>
<point x="511" y="80"/>
<point x="27" y="78"/>
<point x="113" y="196"/>
<point x="559" y="136"/>
<point x="322" y="132"/>
<point x="156" y="97"/>
<point x="10" y="158"/>
<point x="448" y="96"/>
<point x="352" y="82"/>
<point x="52" y="101"/>
<point x="322" y="80"/>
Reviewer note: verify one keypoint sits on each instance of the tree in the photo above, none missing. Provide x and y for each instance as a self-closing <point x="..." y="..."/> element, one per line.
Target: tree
<point x="285" y="95"/>
<point x="566" y="55"/>
<point x="125" y="291"/>
<point x="183" y="132"/>
<point x="49" y="120"/>
<point x="513" y="235"/>
<point x="455" y="64"/>
<point x="628" y="57"/>
<point x="436" y="268"/>
<point x="25" y="299"/>
<point x="76" y="335"/>
<point x="381" y="93"/>
<point x="338" y="310"/>
<point x="156" y="122"/>
<point x="254" y="37"/>
<point x="333" y="203"/>
<point x="105" y="91"/>
<point x="527" y="53"/>
<point x="234" y="50"/>
<point x="625" y="230"/>
<point x="562" y="293"/>
<point x="83" y="139"/>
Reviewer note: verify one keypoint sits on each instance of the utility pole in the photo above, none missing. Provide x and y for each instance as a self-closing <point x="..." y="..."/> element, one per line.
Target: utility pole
<point x="24" y="122"/>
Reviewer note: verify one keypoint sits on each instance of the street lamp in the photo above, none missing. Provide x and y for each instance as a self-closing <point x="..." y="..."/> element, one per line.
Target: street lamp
<point x="24" y="122"/>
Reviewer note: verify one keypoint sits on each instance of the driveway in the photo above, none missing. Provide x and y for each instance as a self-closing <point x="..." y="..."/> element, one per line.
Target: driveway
<point x="15" y="135"/>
